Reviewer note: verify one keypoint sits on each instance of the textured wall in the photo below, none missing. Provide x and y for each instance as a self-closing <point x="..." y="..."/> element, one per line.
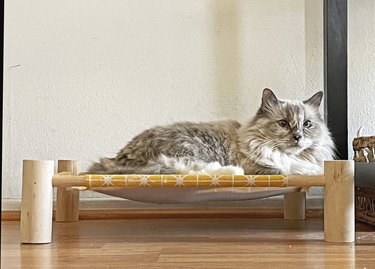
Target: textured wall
<point x="82" y="77"/>
<point x="361" y="64"/>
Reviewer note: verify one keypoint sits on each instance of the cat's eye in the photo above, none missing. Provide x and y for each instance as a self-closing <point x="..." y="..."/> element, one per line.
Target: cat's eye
<point x="283" y="123"/>
<point x="307" y="124"/>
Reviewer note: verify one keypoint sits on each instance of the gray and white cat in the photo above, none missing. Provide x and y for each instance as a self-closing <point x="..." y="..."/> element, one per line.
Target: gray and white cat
<point x="284" y="137"/>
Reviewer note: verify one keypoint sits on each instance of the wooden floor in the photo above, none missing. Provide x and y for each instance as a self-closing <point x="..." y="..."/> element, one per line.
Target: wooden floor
<point x="188" y="243"/>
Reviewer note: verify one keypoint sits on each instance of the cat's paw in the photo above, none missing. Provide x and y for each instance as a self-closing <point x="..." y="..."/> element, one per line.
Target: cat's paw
<point x="224" y="170"/>
<point x="232" y="170"/>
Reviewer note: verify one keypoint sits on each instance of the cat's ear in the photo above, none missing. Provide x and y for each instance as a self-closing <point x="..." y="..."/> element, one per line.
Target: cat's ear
<point x="314" y="100"/>
<point x="269" y="99"/>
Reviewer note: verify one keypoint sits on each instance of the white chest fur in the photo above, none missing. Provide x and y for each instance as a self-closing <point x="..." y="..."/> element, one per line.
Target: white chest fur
<point x="287" y="163"/>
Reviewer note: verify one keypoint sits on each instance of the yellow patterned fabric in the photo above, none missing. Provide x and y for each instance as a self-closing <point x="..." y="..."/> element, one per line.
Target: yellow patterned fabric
<point x="94" y="181"/>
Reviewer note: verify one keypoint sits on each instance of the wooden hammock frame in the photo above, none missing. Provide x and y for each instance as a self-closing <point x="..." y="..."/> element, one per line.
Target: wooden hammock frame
<point x="39" y="180"/>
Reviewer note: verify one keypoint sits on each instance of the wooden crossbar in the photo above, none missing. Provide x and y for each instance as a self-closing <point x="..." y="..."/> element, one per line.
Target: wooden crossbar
<point x="128" y="181"/>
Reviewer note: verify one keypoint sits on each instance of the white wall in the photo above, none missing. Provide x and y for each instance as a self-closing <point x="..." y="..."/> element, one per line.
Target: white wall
<point x="361" y="64"/>
<point x="83" y="77"/>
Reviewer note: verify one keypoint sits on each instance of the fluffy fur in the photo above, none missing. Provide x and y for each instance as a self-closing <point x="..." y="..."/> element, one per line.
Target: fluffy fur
<point x="284" y="137"/>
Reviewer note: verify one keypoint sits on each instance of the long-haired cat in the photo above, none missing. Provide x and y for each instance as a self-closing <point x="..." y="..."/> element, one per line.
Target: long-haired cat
<point x="284" y="137"/>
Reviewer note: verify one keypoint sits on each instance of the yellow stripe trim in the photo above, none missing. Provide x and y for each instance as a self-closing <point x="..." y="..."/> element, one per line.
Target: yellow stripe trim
<point x="94" y="181"/>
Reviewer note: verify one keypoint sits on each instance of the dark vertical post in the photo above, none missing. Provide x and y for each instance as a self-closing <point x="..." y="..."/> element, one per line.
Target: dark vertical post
<point x="336" y="72"/>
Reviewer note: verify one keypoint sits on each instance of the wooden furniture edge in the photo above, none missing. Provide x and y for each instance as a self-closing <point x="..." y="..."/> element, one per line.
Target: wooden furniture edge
<point x="14" y="215"/>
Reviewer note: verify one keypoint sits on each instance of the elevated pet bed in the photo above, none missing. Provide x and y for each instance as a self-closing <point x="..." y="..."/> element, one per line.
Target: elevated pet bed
<point x="39" y="180"/>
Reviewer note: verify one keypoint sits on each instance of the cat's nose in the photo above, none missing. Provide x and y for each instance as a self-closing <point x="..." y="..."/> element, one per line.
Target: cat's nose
<point x="297" y="137"/>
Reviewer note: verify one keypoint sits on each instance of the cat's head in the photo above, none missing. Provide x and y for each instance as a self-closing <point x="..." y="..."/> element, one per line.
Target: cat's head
<point x="290" y="126"/>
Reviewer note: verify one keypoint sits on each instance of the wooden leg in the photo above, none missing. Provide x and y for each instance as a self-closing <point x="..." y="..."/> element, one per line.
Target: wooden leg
<point x="37" y="201"/>
<point x="339" y="209"/>
<point x="67" y="201"/>
<point x="295" y="206"/>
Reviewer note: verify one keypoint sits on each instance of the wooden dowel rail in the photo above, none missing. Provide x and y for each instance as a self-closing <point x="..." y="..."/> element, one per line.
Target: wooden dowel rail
<point x="69" y="181"/>
<point x="306" y="181"/>
<point x="189" y="181"/>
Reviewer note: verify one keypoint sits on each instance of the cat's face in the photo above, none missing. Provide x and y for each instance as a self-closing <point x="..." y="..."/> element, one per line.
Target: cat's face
<point x="290" y="126"/>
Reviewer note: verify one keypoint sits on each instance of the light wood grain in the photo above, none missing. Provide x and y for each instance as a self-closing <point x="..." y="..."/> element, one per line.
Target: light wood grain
<point x="339" y="217"/>
<point x="189" y="243"/>
<point x="37" y="201"/>
<point x="67" y="200"/>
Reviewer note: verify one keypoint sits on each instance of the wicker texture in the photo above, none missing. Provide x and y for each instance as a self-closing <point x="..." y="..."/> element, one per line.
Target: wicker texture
<point x="364" y="150"/>
<point x="365" y="205"/>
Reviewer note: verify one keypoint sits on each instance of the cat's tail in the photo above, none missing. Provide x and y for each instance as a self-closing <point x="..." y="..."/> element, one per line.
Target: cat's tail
<point x="104" y="166"/>
<point x="110" y="166"/>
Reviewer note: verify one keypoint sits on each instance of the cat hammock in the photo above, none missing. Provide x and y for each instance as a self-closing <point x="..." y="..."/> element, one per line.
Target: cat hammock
<point x="39" y="178"/>
<point x="93" y="181"/>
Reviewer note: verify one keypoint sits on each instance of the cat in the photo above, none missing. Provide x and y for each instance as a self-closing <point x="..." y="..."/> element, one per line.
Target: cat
<point x="284" y="137"/>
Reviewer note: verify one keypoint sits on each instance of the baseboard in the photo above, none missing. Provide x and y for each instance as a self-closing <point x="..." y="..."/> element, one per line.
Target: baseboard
<point x="114" y="208"/>
<point x="173" y="213"/>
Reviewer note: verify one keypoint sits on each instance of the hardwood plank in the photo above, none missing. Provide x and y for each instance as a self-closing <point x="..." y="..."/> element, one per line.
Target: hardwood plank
<point x="188" y="243"/>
